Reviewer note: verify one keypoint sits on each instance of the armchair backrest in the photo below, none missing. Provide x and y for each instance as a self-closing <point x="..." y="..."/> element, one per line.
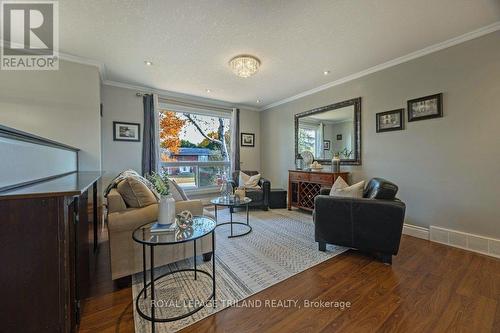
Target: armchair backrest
<point x="236" y="175"/>
<point x="379" y="188"/>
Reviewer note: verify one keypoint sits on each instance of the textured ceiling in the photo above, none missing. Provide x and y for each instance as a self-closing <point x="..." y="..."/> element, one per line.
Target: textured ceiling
<point x="190" y="42"/>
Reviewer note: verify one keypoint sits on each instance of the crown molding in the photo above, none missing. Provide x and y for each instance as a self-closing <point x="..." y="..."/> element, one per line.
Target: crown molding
<point x="178" y="96"/>
<point x="85" y="61"/>
<point x="414" y="55"/>
<point x="72" y="58"/>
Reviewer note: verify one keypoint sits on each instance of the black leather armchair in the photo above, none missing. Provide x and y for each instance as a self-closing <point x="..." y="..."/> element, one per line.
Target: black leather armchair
<point x="373" y="223"/>
<point x="260" y="196"/>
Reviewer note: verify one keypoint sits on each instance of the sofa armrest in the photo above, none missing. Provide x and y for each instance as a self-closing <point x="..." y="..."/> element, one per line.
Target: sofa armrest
<point x="332" y="220"/>
<point x="233" y="184"/>
<point x="325" y="191"/>
<point x="194" y="206"/>
<point x="366" y="224"/>
<point x="265" y="184"/>
<point x="115" y="202"/>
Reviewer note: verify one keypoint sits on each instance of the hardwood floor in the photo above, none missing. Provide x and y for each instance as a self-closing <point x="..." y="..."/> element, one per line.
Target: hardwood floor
<point x="429" y="288"/>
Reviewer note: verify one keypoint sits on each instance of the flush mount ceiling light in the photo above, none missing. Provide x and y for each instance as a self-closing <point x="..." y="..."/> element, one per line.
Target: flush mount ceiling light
<point x="244" y="65"/>
<point x="148" y="63"/>
<point x="326" y="72"/>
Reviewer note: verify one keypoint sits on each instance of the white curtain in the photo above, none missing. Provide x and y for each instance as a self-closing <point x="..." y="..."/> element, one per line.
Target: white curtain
<point x="319" y="141"/>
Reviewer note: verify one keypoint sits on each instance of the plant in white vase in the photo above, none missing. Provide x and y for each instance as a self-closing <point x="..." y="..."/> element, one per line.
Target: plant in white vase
<point x="166" y="204"/>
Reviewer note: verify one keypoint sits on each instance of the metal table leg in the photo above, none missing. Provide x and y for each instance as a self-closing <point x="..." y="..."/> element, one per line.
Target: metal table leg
<point x="247" y="215"/>
<point x="152" y="289"/>
<point x="144" y="264"/>
<point x="213" y="265"/>
<point x="194" y="246"/>
<point x="215" y="213"/>
<point x="231" y="214"/>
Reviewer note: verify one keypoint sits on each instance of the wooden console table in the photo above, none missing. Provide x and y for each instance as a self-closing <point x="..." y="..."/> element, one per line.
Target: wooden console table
<point x="304" y="186"/>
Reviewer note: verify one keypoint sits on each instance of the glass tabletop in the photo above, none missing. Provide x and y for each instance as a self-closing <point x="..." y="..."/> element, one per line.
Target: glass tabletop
<point x="221" y="201"/>
<point x="202" y="226"/>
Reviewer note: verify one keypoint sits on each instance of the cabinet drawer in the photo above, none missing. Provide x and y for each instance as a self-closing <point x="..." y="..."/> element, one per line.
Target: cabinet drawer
<point x="299" y="176"/>
<point x="319" y="178"/>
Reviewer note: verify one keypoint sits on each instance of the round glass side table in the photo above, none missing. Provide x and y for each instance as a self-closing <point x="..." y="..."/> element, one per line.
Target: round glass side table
<point x="202" y="226"/>
<point x="234" y="203"/>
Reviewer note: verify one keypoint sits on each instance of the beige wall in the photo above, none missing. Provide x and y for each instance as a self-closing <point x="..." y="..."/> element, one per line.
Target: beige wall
<point x="60" y="105"/>
<point x="448" y="168"/>
<point x="120" y="104"/>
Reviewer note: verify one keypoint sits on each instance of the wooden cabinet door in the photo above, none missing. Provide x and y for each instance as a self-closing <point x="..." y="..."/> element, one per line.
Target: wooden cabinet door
<point x="32" y="278"/>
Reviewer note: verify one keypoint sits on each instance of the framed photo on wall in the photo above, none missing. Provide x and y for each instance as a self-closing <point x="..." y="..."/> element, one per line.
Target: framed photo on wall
<point x="389" y="120"/>
<point x="425" y="107"/>
<point x="247" y="139"/>
<point x="326" y="144"/>
<point x="126" y="131"/>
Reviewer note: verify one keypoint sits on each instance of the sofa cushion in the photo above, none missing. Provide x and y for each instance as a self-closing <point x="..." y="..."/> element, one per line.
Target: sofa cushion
<point x="353" y="191"/>
<point x="135" y="193"/>
<point x="248" y="181"/>
<point x="255" y="194"/>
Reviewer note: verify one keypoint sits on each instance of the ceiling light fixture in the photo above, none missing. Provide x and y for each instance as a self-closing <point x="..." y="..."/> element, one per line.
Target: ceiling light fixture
<point x="326" y="72"/>
<point x="148" y="63"/>
<point x="208" y="90"/>
<point x="244" y="65"/>
<point x="258" y="101"/>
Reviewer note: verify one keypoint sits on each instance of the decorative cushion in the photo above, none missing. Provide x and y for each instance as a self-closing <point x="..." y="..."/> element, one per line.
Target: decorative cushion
<point x="176" y="191"/>
<point x="248" y="181"/>
<point x="353" y="191"/>
<point x="339" y="184"/>
<point x="135" y="193"/>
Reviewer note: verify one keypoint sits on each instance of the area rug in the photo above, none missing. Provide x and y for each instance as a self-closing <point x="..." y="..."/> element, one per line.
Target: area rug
<point x="280" y="245"/>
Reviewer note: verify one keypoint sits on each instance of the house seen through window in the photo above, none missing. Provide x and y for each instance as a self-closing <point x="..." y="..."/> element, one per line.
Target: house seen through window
<point x="195" y="149"/>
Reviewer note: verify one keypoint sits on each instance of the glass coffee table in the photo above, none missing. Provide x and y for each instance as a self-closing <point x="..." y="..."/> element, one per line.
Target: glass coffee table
<point x="233" y="203"/>
<point x="202" y="226"/>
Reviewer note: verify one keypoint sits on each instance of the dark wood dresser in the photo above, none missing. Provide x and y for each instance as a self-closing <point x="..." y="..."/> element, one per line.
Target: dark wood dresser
<point x="304" y="186"/>
<point x="48" y="214"/>
<point x="44" y="250"/>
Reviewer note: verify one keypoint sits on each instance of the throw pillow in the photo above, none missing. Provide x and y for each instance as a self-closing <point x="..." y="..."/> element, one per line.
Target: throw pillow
<point x="248" y="181"/>
<point x="135" y="193"/>
<point x="353" y="191"/>
<point x="176" y="191"/>
<point x="339" y="184"/>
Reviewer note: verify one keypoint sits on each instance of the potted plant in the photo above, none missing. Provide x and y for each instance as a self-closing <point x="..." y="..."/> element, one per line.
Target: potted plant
<point x="166" y="204"/>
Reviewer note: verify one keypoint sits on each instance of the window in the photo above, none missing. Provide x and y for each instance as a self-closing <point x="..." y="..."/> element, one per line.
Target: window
<point x="195" y="148"/>
<point x="307" y="139"/>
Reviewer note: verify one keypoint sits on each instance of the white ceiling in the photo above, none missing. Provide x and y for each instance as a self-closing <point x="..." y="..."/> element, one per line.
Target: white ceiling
<point x="190" y="42"/>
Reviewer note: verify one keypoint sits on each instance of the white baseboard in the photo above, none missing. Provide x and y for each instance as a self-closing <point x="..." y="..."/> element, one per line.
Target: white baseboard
<point x="471" y="242"/>
<point x="416" y="231"/>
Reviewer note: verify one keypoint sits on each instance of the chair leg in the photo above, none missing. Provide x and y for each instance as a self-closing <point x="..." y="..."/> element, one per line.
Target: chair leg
<point x="386" y="258"/>
<point x="322" y="246"/>
<point x="207" y="256"/>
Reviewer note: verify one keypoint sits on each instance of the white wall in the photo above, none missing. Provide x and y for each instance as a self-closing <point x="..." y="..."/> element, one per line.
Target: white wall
<point x="121" y="104"/>
<point x="448" y="168"/>
<point x="60" y="105"/>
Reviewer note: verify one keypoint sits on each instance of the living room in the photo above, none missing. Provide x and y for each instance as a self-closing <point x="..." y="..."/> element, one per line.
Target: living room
<point x="272" y="166"/>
